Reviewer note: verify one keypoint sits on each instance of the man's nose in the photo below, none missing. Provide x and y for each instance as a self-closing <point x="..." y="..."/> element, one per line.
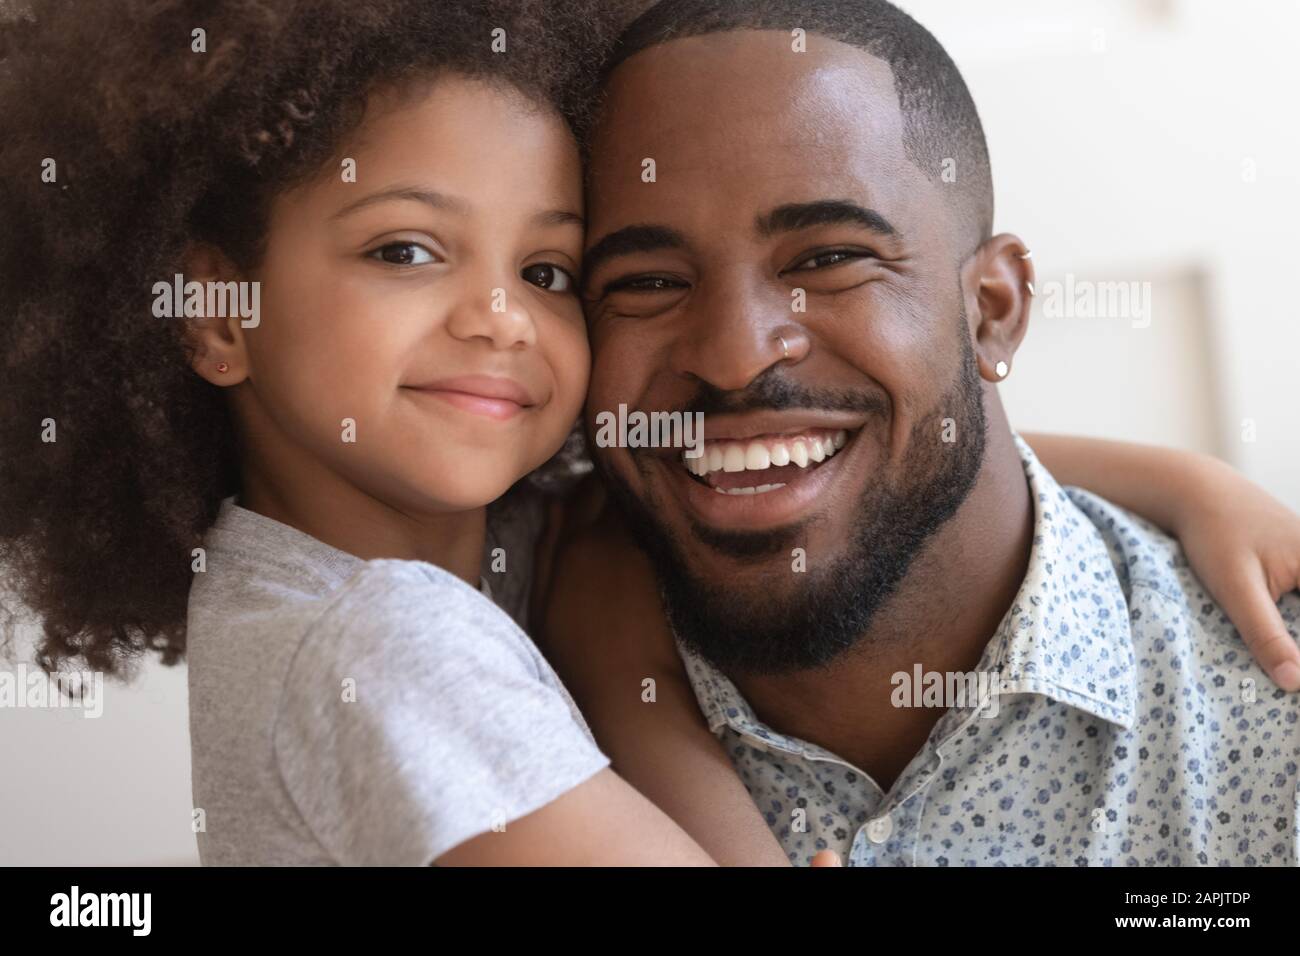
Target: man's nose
<point x="494" y="309"/>
<point x="734" y="332"/>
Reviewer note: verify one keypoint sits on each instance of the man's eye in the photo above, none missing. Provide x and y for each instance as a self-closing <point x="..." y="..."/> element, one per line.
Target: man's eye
<point x="823" y="260"/>
<point x="643" y="284"/>
<point x="548" y="277"/>
<point x="403" y="254"/>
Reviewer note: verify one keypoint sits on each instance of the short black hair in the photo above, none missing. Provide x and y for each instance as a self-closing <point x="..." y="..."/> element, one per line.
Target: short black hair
<point x="939" y="116"/>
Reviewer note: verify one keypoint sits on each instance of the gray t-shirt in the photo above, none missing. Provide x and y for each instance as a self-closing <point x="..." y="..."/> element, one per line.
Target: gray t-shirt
<point x="361" y="712"/>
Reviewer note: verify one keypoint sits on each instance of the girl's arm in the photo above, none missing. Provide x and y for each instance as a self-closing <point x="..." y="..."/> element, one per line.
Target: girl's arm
<point x="1243" y="544"/>
<point x="600" y="822"/>
<point x="602" y="628"/>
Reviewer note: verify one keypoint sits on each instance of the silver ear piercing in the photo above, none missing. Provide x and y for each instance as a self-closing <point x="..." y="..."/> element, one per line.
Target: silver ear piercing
<point x="1001" y="369"/>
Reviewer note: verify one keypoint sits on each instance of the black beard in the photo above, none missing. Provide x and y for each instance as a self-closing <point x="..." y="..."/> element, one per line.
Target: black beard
<point x="833" y="609"/>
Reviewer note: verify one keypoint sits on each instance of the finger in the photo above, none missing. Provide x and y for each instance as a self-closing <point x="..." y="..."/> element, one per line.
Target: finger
<point x="827" y="858"/>
<point x="1253" y="610"/>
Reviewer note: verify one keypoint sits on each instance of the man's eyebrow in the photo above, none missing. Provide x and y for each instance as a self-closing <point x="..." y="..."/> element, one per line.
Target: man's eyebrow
<point x="411" y="193"/>
<point x="631" y="239"/>
<point x="823" y="212"/>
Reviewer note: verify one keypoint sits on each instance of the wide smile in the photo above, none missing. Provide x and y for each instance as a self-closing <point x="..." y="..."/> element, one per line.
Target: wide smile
<point x="761" y="481"/>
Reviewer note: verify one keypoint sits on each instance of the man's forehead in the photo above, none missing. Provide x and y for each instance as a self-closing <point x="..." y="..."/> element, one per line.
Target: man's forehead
<point x="744" y="110"/>
<point x="719" y="78"/>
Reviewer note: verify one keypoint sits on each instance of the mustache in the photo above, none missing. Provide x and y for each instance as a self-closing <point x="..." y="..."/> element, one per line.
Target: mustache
<point x="772" y="391"/>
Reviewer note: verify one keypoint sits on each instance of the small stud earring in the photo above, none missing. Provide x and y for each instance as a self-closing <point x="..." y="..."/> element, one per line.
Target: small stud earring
<point x="1027" y="254"/>
<point x="223" y="367"/>
<point x="1000" y="370"/>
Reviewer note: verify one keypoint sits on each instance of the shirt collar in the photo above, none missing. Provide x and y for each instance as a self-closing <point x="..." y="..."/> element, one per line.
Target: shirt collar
<point x="1066" y="636"/>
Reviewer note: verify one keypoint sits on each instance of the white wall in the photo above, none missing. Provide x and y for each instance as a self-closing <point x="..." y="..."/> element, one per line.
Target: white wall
<point x="1124" y="163"/>
<point x="98" y="791"/>
<point x="1151" y="141"/>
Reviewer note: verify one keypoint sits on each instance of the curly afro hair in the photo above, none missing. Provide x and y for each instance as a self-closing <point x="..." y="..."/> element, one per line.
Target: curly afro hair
<point x="154" y="145"/>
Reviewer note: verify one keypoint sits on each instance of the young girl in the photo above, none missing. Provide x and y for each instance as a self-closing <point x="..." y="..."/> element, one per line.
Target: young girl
<point x="293" y="494"/>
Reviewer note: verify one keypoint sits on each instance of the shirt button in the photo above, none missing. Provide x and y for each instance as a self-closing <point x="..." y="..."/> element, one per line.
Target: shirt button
<point x="878" y="830"/>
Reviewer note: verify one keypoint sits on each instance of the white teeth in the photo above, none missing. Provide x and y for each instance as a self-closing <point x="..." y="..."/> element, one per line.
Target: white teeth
<point x="759" y="455"/>
<point x="759" y="490"/>
<point x="756" y="457"/>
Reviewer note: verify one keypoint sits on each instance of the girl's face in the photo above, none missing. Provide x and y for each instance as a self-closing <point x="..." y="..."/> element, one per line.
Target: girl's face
<point x="432" y="302"/>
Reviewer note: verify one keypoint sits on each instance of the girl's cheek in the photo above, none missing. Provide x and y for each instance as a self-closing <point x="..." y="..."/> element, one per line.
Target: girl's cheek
<point x="570" y="361"/>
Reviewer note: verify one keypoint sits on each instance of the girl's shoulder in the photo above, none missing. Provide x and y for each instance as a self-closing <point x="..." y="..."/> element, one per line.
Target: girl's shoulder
<point x="420" y="606"/>
<point x="431" y="715"/>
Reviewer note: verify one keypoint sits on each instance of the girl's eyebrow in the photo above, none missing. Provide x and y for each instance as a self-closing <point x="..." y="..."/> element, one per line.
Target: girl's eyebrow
<point x="436" y="200"/>
<point x="559" y="217"/>
<point x="452" y="204"/>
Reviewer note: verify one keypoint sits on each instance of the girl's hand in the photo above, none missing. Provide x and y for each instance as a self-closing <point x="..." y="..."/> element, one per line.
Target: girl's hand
<point x="1244" y="545"/>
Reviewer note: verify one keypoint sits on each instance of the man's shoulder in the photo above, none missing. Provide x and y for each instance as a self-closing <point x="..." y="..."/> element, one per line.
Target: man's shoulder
<point x="1168" y="603"/>
<point x="1144" y="556"/>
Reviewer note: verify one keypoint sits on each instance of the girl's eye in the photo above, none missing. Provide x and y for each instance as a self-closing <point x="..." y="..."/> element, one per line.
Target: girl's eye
<point x="823" y="260"/>
<point x="403" y="254"/>
<point x="548" y="277"/>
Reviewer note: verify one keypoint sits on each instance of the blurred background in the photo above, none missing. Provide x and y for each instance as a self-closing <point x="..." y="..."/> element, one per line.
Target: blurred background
<point x="1146" y="150"/>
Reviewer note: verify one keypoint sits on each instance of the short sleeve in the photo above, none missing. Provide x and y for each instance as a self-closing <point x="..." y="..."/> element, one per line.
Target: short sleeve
<point x="417" y="715"/>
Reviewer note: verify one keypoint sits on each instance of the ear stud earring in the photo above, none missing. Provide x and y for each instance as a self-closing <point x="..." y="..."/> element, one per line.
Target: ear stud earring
<point x="1001" y="369"/>
<point x="223" y="367"/>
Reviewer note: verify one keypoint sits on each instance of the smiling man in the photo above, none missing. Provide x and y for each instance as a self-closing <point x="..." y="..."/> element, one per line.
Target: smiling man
<point x="800" y="270"/>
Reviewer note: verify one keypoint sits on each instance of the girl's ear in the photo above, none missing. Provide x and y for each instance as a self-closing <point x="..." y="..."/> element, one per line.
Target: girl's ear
<point x="220" y="352"/>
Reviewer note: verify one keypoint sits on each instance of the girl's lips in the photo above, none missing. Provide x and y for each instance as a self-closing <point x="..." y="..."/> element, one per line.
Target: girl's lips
<point x="486" y="395"/>
<point x="499" y="409"/>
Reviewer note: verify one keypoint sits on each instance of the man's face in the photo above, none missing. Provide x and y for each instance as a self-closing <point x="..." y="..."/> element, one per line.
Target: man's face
<point x="775" y="172"/>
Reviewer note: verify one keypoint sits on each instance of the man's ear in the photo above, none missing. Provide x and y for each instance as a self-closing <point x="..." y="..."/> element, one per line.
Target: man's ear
<point x="998" y="283"/>
<point x="220" y="352"/>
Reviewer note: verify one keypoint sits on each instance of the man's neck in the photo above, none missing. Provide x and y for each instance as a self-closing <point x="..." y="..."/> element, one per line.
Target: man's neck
<point x="942" y="617"/>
